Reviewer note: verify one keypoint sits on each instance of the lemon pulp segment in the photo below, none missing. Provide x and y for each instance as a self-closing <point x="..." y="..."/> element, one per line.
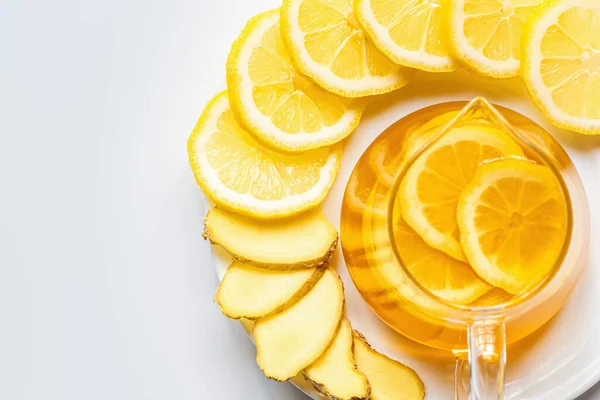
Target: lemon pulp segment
<point x="280" y="107"/>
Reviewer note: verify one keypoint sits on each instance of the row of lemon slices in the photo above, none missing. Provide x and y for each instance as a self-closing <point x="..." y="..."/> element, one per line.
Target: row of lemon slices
<point x="346" y="47"/>
<point x="268" y="147"/>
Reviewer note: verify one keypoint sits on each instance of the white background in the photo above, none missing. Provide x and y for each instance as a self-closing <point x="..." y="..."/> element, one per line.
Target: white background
<point x="105" y="284"/>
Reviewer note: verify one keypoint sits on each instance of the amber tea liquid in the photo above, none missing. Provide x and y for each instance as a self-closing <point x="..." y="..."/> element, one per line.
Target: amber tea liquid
<point x="367" y="239"/>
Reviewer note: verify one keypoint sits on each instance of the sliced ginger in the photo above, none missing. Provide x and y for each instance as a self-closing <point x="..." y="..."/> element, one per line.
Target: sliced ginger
<point x="290" y="341"/>
<point x="334" y="374"/>
<point x="305" y="241"/>
<point x="389" y="379"/>
<point x="253" y="292"/>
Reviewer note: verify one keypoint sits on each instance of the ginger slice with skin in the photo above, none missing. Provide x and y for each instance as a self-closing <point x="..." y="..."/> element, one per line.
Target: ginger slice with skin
<point x="305" y="241"/>
<point x="389" y="379"/>
<point x="334" y="374"/>
<point x="290" y="341"/>
<point x="252" y="292"/>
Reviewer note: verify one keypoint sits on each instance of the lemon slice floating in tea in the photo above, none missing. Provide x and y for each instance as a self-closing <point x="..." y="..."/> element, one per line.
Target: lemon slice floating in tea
<point x="561" y="63"/>
<point x="442" y="275"/>
<point x="486" y="34"/>
<point x="240" y="174"/>
<point x="433" y="183"/>
<point x="273" y="102"/>
<point x="408" y="32"/>
<point x="513" y="221"/>
<point x="328" y="45"/>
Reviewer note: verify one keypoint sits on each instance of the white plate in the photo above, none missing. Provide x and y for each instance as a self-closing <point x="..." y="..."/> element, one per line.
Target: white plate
<point x="562" y="359"/>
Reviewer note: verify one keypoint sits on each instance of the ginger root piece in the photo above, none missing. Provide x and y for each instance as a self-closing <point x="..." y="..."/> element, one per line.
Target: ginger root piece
<point x="389" y="379"/>
<point x="248" y="326"/>
<point x="334" y="374"/>
<point x="305" y="241"/>
<point x="252" y="292"/>
<point x="290" y="341"/>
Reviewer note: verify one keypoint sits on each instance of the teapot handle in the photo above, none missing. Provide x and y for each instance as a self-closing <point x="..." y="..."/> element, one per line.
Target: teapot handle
<point x="485" y="360"/>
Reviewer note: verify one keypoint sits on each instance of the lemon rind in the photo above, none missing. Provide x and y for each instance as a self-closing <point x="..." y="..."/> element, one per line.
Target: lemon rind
<point x="322" y="75"/>
<point x="533" y="31"/>
<point x="411" y="208"/>
<point x="380" y="37"/>
<point x="208" y="180"/>
<point x="480" y="263"/>
<point x="471" y="57"/>
<point x="259" y="125"/>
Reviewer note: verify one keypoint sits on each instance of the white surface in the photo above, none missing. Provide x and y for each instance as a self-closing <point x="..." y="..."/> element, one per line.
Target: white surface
<point x="105" y="285"/>
<point x="558" y="362"/>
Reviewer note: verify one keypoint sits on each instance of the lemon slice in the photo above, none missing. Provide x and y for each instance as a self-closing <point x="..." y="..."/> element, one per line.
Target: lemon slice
<point x="273" y="102"/>
<point x="238" y="173"/>
<point x="513" y="221"/>
<point x="391" y="154"/>
<point x="486" y="34"/>
<point x="561" y="63"/>
<point x="408" y="32"/>
<point x="328" y="45"/>
<point x="365" y="196"/>
<point x="433" y="183"/>
<point x="442" y="275"/>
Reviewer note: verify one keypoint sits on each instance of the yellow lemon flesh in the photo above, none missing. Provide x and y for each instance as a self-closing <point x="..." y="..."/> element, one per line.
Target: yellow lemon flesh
<point x="273" y="102"/>
<point x="434" y="182"/>
<point x="442" y="275"/>
<point x="513" y="222"/>
<point x="561" y="63"/>
<point x="486" y="34"/>
<point x="408" y="32"/>
<point x="240" y="174"/>
<point x="328" y="45"/>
